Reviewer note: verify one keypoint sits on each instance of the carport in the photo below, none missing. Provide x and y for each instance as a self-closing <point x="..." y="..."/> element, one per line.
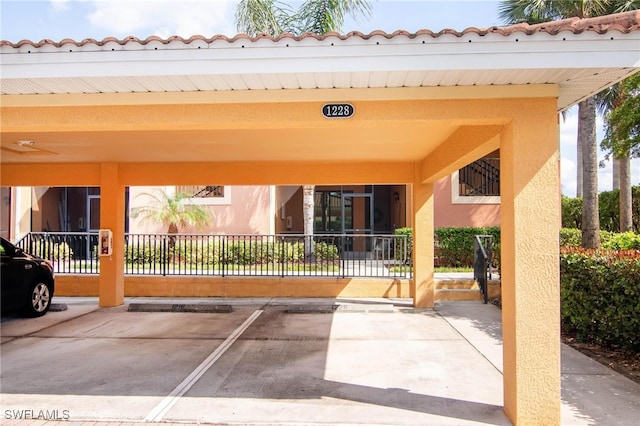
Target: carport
<point x="242" y="111"/>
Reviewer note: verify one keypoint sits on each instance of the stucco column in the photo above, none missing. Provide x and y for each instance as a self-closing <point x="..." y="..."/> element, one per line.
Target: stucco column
<point x="111" y="281"/>
<point x="530" y="266"/>
<point x="423" y="281"/>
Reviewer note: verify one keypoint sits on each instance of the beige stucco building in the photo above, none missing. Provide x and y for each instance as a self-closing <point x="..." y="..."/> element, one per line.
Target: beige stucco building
<point x="166" y="112"/>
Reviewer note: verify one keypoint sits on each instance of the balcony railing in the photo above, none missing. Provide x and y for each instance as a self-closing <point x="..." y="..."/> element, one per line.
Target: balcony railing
<point x="284" y="255"/>
<point x="480" y="178"/>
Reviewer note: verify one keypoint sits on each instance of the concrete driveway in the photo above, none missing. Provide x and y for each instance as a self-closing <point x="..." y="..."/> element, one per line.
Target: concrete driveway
<point x="275" y="361"/>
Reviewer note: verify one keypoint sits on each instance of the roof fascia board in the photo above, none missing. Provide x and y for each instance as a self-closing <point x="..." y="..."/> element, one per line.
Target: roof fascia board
<point x="540" y="51"/>
<point x="268" y="96"/>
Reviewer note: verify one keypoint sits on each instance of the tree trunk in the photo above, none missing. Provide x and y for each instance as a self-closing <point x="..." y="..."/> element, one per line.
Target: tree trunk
<point x="616" y="173"/>
<point x="626" y="212"/>
<point x="308" y="213"/>
<point x="587" y="139"/>
<point x="579" y="167"/>
<point x="173" y="229"/>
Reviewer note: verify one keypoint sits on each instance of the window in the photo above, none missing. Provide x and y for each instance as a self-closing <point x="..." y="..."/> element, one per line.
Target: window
<point x="328" y="211"/>
<point x="202" y="191"/>
<point x="207" y="194"/>
<point x="477" y="183"/>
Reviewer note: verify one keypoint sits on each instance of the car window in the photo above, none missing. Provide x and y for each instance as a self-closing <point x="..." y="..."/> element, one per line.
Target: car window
<point x="2" y="250"/>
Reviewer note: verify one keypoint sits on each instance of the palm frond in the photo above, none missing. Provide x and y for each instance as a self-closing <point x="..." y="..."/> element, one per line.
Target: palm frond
<point x="171" y="211"/>
<point x="323" y="16"/>
<point x="255" y="17"/>
<point x="538" y="11"/>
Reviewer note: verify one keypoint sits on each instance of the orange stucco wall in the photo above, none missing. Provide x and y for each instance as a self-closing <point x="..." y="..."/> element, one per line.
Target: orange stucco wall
<point x="530" y="265"/>
<point x="147" y="286"/>
<point x="443" y="135"/>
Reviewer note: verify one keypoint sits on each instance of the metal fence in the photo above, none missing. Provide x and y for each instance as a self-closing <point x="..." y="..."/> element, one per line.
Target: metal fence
<point x="70" y="252"/>
<point x="320" y="255"/>
<point x="482" y="259"/>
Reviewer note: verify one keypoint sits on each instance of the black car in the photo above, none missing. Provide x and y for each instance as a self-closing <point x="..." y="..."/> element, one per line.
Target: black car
<point x="27" y="281"/>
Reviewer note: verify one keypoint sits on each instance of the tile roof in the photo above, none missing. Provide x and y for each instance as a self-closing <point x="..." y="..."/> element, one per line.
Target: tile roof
<point x="622" y="22"/>
<point x="579" y="56"/>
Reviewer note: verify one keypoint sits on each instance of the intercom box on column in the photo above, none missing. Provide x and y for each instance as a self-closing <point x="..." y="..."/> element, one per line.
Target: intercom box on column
<point x="105" y="242"/>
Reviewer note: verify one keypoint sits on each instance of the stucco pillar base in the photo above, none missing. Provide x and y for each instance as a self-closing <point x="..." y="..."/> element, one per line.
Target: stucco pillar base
<point x="423" y="285"/>
<point x="530" y="268"/>
<point x="111" y="281"/>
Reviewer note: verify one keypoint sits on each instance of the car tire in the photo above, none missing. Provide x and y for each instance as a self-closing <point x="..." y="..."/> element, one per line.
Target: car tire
<point x="38" y="299"/>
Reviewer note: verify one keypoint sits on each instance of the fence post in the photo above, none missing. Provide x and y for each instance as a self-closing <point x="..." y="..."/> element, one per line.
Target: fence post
<point x="164" y="258"/>
<point x="282" y="256"/>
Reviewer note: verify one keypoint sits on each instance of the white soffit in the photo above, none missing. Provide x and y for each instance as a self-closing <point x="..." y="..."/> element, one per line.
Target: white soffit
<point x="581" y="64"/>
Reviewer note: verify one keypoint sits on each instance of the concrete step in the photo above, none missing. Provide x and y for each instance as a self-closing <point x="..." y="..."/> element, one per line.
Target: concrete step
<point x="464" y="290"/>
<point x="457" y="295"/>
<point x="456" y="284"/>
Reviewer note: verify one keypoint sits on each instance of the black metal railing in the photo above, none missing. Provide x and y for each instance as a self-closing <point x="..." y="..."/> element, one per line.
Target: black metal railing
<point x="480" y="178"/>
<point x="70" y="252"/>
<point x="329" y="255"/>
<point x="482" y="258"/>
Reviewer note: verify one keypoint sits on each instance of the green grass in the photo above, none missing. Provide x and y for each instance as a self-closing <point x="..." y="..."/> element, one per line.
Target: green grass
<point x="454" y="269"/>
<point x="405" y="268"/>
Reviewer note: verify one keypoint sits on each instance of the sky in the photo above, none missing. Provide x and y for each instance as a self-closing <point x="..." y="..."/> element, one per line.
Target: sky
<point x="79" y="19"/>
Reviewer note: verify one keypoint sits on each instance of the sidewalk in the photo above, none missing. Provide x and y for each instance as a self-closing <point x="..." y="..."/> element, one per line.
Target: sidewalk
<point x="592" y="394"/>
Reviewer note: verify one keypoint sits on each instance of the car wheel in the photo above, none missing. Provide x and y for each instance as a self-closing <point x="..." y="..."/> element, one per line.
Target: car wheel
<point x="39" y="299"/>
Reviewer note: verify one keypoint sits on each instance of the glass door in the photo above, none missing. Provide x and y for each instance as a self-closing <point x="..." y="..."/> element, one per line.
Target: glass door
<point x="93" y="219"/>
<point x="359" y="223"/>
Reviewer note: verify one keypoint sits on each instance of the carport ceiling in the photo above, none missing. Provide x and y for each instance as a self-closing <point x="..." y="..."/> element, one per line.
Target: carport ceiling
<point x="576" y="57"/>
<point x="373" y="144"/>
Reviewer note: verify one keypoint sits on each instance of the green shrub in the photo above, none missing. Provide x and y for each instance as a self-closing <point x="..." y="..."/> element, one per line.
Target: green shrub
<point x="203" y="252"/>
<point x="570" y="237"/>
<point x="326" y="252"/>
<point x="600" y="296"/>
<point x="455" y="245"/>
<point x="50" y="250"/>
<point x="248" y="252"/>
<point x="140" y="254"/>
<point x="623" y="241"/>
<point x="609" y="209"/>
<point x="571" y="212"/>
<point x="608" y="240"/>
<point x="404" y="252"/>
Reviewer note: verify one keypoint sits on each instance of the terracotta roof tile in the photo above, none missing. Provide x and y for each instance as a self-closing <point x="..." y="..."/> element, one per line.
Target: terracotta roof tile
<point x="622" y="22"/>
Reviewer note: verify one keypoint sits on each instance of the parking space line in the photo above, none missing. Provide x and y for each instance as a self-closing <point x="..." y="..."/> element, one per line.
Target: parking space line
<point x="160" y="410"/>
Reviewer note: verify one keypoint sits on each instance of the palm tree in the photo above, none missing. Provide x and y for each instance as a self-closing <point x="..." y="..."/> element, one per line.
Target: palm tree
<point x="537" y="11"/>
<point x="590" y="207"/>
<point x="255" y="17"/>
<point x="614" y="103"/>
<point x="172" y="212"/>
<point x="271" y="17"/>
<point x="308" y="210"/>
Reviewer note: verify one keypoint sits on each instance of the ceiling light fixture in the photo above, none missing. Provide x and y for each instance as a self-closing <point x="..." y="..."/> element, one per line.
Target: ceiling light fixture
<point x="26" y="143"/>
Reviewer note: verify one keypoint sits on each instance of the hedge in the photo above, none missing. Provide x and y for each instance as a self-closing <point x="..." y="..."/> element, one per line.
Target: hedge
<point x="600" y="290"/>
<point x="600" y="296"/>
<point x="454" y="246"/>
<point x="609" y="207"/>
<point x="235" y="253"/>
<point x="570" y="237"/>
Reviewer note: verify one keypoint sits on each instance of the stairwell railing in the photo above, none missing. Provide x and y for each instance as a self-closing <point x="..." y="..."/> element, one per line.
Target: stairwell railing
<point x="482" y="259"/>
